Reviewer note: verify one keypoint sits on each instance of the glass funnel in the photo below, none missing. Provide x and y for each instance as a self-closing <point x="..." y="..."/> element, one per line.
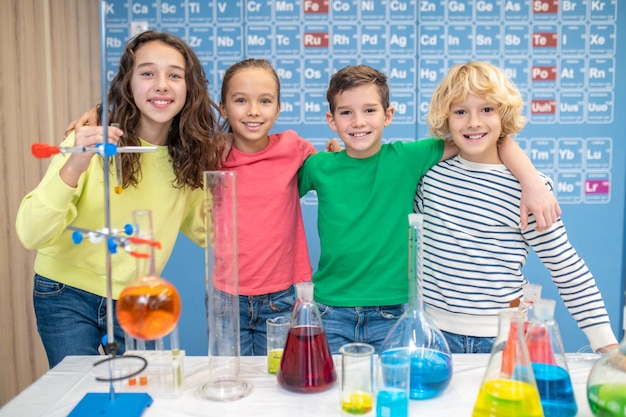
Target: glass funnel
<point x="307" y="365"/>
<point x="414" y="332"/>
<point x="222" y="289"/>
<point x="508" y="387"/>
<point x="549" y="365"/>
<point x="606" y="385"/>
<point x="148" y="308"/>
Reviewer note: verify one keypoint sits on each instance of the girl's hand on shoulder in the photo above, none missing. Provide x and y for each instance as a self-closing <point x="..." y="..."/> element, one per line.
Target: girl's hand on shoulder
<point x="224" y="146"/>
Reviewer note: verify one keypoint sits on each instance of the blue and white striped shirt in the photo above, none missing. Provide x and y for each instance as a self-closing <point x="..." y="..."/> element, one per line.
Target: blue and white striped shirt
<point x="474" y="251"/>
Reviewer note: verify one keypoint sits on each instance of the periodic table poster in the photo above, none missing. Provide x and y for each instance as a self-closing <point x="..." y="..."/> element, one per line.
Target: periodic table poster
<point x="564" y="56"/>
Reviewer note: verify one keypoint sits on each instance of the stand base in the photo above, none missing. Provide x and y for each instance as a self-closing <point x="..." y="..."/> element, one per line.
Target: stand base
<point x="225" y="389"/>
<point x="123" y="405"/>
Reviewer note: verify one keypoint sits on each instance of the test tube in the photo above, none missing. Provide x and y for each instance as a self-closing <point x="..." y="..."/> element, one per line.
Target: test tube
<point x="117" y="164"/>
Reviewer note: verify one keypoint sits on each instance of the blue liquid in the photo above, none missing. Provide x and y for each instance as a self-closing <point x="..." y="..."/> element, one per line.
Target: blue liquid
<point x="555" y="390"/>
<point x="431" y="372"/>
<point x="392" y="403"/>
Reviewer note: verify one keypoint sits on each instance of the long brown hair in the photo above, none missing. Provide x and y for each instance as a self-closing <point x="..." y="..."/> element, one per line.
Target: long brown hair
<point x="194" y="132"/>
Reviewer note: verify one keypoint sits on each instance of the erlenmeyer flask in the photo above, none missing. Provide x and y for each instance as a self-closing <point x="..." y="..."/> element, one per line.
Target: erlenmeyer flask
<point x="148" y="308"/>
<point x="414" y="332"/>
<point x="606" y="385"/>
<point x="508" y="387"/>
<point x="307" y="365"/>
<point x="549" y="365"/>
<point x="222" y="286"/>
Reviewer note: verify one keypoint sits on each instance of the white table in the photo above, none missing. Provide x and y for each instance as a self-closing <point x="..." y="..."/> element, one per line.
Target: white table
<point x="60" y="389"/>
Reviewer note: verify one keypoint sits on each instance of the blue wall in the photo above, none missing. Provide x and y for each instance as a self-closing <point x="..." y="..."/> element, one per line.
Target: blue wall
<point x="563" y="55"/>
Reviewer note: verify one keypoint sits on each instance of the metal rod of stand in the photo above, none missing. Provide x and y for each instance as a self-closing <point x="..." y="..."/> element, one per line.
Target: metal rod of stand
<point x="107" y="209"/>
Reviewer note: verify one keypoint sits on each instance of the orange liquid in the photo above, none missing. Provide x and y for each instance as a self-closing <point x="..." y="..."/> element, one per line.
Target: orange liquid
<point x="118" y="189"/>
<point x="149" y="312"/>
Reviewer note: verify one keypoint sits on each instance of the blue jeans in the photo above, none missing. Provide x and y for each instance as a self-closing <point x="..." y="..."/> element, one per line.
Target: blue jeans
<point x="71" y="321"/>
<point x="459" y="343"/>
<point x="358" y="324"/>
<point x="253" y="311"/>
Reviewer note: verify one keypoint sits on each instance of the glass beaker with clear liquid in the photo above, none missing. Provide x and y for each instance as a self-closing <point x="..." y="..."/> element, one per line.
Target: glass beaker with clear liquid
<point x="307" y="365"/>
<point x="414" y="332"/>
<point x="606" y="385"/>
<point x="508" y="387"/>
<point x="549" y="365"/>
<point x="149" y="307"/>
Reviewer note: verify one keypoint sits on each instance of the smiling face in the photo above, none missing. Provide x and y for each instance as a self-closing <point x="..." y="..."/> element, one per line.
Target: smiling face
<point x="251" y="105"/>
<point x="159" y="89"/>
<point x="475" y="127"/>
<point x="359" y="119"/>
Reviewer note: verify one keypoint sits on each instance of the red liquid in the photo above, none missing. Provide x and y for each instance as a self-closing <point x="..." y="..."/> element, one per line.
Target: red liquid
<point x="307" y="365"/>
<point x="149" y="312"/>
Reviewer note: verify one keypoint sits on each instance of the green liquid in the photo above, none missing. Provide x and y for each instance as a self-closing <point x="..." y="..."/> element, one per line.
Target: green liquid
<point x="507" y="398"/>
<point x="273" y="360"/>
<point x="607" y="400"/>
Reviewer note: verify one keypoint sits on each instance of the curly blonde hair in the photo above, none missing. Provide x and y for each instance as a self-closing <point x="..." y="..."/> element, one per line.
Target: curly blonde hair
<point x="481" y="79"/>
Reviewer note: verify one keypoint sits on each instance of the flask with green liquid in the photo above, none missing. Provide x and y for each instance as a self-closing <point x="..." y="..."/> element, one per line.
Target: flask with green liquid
<point x="606" y="385"/>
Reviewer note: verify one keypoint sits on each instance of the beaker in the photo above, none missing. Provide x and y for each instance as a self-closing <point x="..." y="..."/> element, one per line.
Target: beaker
<point x="549" y="365"/>
<point x="222" y="289"/>
<point x="307" y="365"/>
<point x="606" y="385"/>
<point x="430" y="357"/>
<point x="508" y="387"/>
<point x="148" y="308"/>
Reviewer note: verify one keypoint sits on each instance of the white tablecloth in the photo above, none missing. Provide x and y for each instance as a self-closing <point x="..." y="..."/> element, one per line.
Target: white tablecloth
<point x="60" y="389"/>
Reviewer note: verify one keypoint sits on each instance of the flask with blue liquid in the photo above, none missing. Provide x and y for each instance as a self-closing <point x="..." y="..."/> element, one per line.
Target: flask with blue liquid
<point x="549" y="364"/>
<point x="416" y="335"/>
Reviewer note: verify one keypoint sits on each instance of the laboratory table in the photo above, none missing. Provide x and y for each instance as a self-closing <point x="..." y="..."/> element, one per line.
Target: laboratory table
<point x="58" y="391"/>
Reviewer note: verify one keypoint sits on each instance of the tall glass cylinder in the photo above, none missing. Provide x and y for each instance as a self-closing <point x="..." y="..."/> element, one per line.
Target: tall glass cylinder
<point x="222" y="288"/>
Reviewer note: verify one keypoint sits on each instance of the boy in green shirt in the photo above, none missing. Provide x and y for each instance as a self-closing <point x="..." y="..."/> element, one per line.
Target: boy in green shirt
<point x="365" y="193"/>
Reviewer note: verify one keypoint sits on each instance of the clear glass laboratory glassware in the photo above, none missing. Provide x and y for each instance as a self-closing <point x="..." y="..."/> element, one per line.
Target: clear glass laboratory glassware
<point x="148" y="307"/>
<point x="415" y="332"/>
<point x="307" y="365"/>
<point x="531" y="293"/>
<point x="606" y="384"/>
<point x="508" y="387"/>
<point x="549" y="364"/>
<point x="222" y="289"/>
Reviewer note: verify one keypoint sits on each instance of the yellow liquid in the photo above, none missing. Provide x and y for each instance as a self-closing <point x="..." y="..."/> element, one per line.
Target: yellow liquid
<point x="273" y="360"/>
<point x="357" y="403"/>
<point x="507" y="398"/>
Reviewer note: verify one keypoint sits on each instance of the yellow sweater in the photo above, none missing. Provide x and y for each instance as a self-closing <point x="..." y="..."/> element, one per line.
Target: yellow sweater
<point x="45" y="213"/>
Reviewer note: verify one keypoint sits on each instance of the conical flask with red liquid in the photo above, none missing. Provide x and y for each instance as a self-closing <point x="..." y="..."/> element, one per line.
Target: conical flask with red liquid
<point x="307" y="365"/>
<point x="509" y="387"/>
<point x="149" y="307"/>
<point x="416" y="334"/>
<point x="548" y="362"/>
